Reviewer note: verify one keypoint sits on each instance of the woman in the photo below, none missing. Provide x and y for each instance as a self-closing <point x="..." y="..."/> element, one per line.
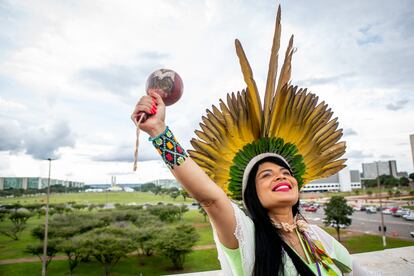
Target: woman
<point x="262" y="156"/>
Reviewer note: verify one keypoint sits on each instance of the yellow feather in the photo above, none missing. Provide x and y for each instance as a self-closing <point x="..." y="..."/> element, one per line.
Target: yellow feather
<point x="271" y="75"/>
<point x="253" y="97"/>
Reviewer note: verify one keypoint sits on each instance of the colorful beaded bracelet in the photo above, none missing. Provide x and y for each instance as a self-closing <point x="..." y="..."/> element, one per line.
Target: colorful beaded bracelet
<point x="170" y="150"/>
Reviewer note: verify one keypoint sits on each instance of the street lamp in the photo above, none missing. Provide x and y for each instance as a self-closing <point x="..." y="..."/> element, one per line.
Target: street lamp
<point x="384" y="242"/>
<point x="46" y="221"/>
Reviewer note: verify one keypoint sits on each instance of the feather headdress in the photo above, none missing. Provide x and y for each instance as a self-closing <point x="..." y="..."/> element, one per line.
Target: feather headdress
<point x="290" y="123"/>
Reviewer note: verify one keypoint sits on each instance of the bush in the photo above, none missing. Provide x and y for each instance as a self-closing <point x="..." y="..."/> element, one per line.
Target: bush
<point x="107" y="245"/>
<point x="18" y="218"/>
<point x="69" y="225"/>
<point x="73" y="249"/>
<point x="145" y="239"/>
<point x="37" y="250"/>
<point x="168" y="213"/>
<point x="176" y="242"/>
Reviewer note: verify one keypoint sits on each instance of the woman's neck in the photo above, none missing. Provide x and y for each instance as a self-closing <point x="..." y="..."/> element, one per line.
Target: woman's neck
<point x="280" y="215"/>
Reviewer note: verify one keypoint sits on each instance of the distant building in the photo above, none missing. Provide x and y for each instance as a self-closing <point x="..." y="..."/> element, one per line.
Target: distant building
<point x="412" y="147"/>
<point x="402" y="174"/>
<point x="370" y="170"/>
<point x="167" y="183"/>
<point x="35" y="183"/>
<point x="344" y="181"/>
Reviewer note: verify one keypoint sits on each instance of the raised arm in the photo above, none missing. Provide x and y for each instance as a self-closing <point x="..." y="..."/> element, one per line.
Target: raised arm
<point x="213" y="199"/>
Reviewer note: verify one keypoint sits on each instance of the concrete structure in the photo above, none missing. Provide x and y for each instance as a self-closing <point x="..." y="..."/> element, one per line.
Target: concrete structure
<point x="344" y="181"/>
<point x="369" y="170"/>
<point x="396" y="261"/>
<point x="35" y="183"/>
<point x="412" y="147"/>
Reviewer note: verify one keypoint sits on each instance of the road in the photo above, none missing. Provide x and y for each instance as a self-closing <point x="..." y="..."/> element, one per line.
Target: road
<point x="368" y="223"/>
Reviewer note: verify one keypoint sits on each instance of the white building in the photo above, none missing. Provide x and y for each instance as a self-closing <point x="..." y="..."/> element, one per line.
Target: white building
<point x="344" y="181"/>
<point x="35" y="183"/>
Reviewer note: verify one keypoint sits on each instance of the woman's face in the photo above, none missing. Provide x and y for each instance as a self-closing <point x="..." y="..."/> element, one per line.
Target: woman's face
<point x="275" y="186"/>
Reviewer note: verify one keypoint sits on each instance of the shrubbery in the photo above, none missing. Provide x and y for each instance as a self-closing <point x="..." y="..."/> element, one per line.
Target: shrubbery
<point x="109" y="235"/>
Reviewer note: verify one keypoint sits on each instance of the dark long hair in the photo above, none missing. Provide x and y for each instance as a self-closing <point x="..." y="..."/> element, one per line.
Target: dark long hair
<point x="269" y="244"/>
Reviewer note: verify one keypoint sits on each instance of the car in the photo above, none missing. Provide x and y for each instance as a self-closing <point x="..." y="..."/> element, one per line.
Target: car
<point x="393" y="209"/>
<point x="371" y="210"/>
<point x="357" y="208"/>
<point x="387" y="212"/>
<point x="412" y="234"/>
<point x="401" y="212"/>
<point x="410" y="216"/>
<point x="311" y="209"/>
<point x="333" y="224"/>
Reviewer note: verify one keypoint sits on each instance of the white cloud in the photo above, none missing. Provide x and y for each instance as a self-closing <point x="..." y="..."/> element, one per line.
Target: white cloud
<point x="71" y="73"/>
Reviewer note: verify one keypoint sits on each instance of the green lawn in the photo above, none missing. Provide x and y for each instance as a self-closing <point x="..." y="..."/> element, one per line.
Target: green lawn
<point x="11" y="249"/>
<point x="367" y="243"/>
<point x="110" y="197"/>
<point x="202" y="260"/>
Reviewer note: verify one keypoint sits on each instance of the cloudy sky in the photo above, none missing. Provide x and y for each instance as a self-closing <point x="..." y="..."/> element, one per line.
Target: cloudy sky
<point x="72" y="71"/>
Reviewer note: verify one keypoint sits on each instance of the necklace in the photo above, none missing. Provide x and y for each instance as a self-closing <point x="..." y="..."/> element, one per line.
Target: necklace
<point x="287" y="227"/>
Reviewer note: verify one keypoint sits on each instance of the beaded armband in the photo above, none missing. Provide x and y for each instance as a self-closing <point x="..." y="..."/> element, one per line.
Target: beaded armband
<point x="169" y="149"/>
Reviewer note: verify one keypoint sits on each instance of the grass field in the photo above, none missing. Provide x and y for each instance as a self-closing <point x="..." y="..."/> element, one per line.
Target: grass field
<point x="202" y="260"/>
<point x="97" y="198"/>
<point x="368" y="243"/>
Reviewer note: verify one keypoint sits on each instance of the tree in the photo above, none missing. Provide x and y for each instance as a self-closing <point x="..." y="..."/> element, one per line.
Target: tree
<point x="404" y="181"/>
<point x="168" y="212"/>
<point x="184" y="194"/>
<point x="145" y="239"/>
<point x="37" y="250"/>
<point x="73" y="249"/>
<point x="397" y="193"/>
<point x="174" y="194"/>
<point x="369" y="193"/>
<point x="157" y="190"/>
<point x="107" y="245"/>
<point x="68" y="225"/>
<point x="203" y="212"/>
<point x="79" y="206"/>
<point x="183" y="208"/>
<point x="176" y="242"/>
<point x="3" y="214"/>
<point x="337" y="213"/>
<point x="18" y="218"/>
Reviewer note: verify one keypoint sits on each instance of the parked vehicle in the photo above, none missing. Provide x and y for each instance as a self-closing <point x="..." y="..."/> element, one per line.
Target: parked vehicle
<point x="387" y="212"/>
<point x="311" y="209"/>
<point x="412" y="234"/>
<point x="410" y="216"/>
<point x="371" y="210"/>
<point x="357" y="208"/>
<point x="401" y="212"/>
<point x="393" y="209"/>
<point x="342" y="226"/>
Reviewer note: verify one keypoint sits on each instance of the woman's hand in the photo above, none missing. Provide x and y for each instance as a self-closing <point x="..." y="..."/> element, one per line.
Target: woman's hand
<point x="154" y="107"/>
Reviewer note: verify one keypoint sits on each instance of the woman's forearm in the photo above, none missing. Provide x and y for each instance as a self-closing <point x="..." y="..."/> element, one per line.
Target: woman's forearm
<point x="197" y="183"/>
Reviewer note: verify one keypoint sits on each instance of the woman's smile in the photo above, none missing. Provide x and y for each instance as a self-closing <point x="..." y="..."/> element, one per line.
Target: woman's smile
<point x="282" y="187"/>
